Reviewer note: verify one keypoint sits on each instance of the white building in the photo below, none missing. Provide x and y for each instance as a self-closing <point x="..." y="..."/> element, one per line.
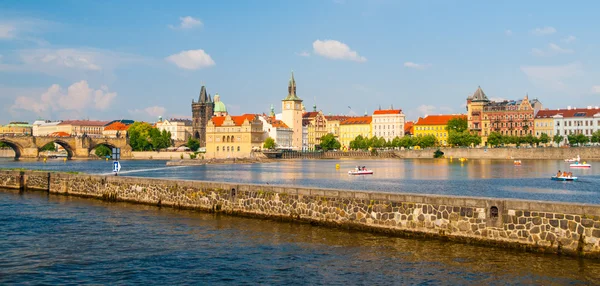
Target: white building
<point x="181" y="129"/>
<point x="388" y="124"/>
<point x="45" y="127"/>
<point x="568" y="121"/>
<point x="279" y="131"/>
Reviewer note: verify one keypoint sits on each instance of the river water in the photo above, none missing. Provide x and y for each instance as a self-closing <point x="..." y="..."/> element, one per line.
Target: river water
<point x="67" y="240"/>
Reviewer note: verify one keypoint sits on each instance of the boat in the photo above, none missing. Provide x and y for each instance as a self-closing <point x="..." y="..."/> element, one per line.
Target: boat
<point x="360" y="171"/>
<point x="555" y="178"/>
<point x="573" y="159"/>
<point x="517" y="162"/>
<point x="583" y="165"/>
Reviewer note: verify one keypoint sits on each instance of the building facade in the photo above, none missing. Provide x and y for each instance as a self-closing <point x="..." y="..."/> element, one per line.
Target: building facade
<point x="45" y="127"/>
<point x="316" y="124"/>
<point x="333" y="124"/>
<point x="388" y="124"/>
<point x="181" y="129"/>
<point x="352" y="128"/>
<point x="234" y="136"/>
<point x="202" y="112"/>
<point x="92" y="128"/>
<point x="291" y="114"/>
<point x="117" y="129"/>
<point x="435" y="125"/>
<point x="276" y="129"/>
<point x="570" y="121"/>
<point x="16" y="129"/>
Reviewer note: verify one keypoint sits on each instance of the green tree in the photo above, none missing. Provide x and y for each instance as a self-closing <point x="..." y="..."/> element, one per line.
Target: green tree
<point x="557" y="139"/>
<point x="269" y="143"/>
<point x="360" y="143"/>
<point x="193" y="144"/>
<point x="457" y="124"/>
<point x="103" y="151"/>
<point x="3" y="145"/>
<point x="138" y="136"/>
<point x="596" y="137"/>
<point x="328" y="142"/>
<point x="426" y="141"/>
<point x="544" y="138"/>
<point x="48" y="147"/>
<point x="495" y="139"/>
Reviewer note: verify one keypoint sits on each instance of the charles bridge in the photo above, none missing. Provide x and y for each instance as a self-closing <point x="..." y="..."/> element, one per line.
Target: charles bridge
<point x="76" y="147"/>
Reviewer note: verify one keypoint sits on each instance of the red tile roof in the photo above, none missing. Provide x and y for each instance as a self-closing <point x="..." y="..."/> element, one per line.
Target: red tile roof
<point x="582" y="112"/>
<point x="357" y="120"/>
<point x="408" y="127"/>
<point x="117" y="126"/>
<point x="310" y="114"/>
<point x="336" y="117"/>
<point x="438" y="119"/>
<point x="237" y="120"/>
<point x="59" y="134"/>
<point x="387" y="111"/>
<point x="84" y="122"/>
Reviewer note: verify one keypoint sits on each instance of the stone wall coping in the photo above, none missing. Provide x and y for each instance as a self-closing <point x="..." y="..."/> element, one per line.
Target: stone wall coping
<point x="464" y="201"/>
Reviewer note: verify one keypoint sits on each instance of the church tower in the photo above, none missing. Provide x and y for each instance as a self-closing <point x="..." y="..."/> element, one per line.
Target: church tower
<point x="291" y="107"/>
<point x="202" y="112"/>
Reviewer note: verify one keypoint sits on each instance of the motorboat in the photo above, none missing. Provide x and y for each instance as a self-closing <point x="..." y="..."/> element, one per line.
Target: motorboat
<point x="555" y="178"/>
<point x="573" y="159"/>
<point x="360" y="171"/>
<point x="583" y="165"/>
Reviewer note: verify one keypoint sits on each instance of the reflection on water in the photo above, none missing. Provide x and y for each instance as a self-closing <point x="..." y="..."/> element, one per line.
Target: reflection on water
<point x="59" y="240"/>
<point x="480" y="178"/>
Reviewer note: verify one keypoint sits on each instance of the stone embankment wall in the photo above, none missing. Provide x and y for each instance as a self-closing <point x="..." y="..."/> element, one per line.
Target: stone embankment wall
<point x="586" y="153"/>
<point x="552" y="227"/>
<point x="7" y="153"/>
<point x="146" y="155"/>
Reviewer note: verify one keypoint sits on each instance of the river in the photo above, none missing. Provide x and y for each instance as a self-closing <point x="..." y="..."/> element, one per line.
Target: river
<point x="68" y="240"/>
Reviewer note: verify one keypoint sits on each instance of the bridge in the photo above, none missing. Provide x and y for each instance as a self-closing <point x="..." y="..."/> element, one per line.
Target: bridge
<point x="76" y="147"/>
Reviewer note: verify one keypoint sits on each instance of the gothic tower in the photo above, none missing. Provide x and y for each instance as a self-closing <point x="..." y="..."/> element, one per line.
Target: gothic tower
<point x="291" y="107"/>
<point x="202" y="112"/>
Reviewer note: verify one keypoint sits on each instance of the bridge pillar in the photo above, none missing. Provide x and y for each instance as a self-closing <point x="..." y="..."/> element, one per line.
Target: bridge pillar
<point x="31" y="152"/>
<point x="81" y="153"/>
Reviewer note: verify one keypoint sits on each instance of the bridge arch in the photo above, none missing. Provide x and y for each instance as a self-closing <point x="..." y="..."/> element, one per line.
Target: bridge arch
<point x="61" y="143"/>
<point x="95" y="145"/>
<point x="15" y="146"/>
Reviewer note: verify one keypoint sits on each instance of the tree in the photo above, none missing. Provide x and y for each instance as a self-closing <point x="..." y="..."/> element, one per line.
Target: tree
<point x="193" y="144"/>
<point x="596" y="137"/>
<point x="457" y="124"/>
<point x="144" y="137"/>
<point x="360" y="143"/>
<point x="103" y="151"/>
<point x="426" y="141"/>
<point x="3" y="145"/>
<point x="544" y="138"/>
<point x="557" y="139"/>
<point x="48" y="147"/>
<point x="495" y="139"/>
<point x="269" y="143"/>
<point x="328" y="142"/>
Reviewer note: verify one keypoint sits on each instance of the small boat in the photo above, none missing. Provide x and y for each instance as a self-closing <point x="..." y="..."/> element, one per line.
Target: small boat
<point x="360" y="171"/>
<point x="583" y="165"/>
<point x="573" y="159"/>
<point x="517" y="162"/>
<point x="555" y="178"/>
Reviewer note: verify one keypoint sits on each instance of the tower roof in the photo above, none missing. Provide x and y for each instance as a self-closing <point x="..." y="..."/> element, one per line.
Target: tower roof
<point x="292" y="90"/>
<point x="479" y="95"/>
<point x="204" y="97"/>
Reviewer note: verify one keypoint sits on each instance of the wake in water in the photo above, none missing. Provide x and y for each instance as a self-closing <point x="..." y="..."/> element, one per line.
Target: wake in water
<point x="145" y="170"/>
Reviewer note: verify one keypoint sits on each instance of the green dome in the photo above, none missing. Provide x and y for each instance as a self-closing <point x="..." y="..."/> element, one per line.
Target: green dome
<point x="219" y="106"/>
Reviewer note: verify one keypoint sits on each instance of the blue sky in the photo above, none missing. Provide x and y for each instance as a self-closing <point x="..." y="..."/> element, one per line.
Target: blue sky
<point x="141" y="59"/>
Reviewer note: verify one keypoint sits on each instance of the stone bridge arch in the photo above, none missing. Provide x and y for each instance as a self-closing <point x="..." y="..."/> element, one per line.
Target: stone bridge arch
<point x="14" y="145"/>
<point x="121" y="143"/>
<point x="57" y="140"/>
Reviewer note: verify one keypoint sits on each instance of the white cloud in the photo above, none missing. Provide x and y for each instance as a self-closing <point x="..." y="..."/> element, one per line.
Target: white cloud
<point x="569" y="39"/>
<point x="425" y="110"/>
<point x="73" y="64"/>
<point x="187" y="22"/>
<point x="303" y="54"/>
<point x="508" y="33"/>
<point x="596" y="89"/>
<point x="543" y="31"/>
<point x="553" y="49"/>
<point x="191" y="60"/>
<point x="336" y="50"/>
<point x="416" y="66"/>
<point x="77" y="97"/>
<point x="552" y="76"/>
<point x="153" y="111"/>
<point x="7" y="31"/>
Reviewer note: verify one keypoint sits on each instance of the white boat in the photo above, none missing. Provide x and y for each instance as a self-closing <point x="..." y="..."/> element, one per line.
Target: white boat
<point x="583" y="165"/>
<point x="360" y="171"/>
<point x="573" y="159"/>
<point x="555" y="178"/>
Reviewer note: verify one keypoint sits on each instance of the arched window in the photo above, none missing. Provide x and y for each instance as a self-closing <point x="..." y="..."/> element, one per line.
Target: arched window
<point x="217" y="148"/>
<point x="238" y="148"/>
<point x="223" y="138"/>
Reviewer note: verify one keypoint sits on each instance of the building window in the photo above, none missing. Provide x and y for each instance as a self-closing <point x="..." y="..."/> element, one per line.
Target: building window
<point x="238" y="148"/>
<point x="217" y="148"/>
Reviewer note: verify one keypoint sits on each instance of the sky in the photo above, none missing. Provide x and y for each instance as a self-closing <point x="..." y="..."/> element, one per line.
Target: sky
<point x="139" y="60"/>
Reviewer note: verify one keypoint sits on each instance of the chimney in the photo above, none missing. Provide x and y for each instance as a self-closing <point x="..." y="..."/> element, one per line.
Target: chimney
<point x="589" y="107"/>
<point x="569" y="107"/>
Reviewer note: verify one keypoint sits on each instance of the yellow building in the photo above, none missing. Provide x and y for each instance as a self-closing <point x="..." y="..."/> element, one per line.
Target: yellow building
<point x="435" y="125"/>
<point x="316" y="124"/>
<point x="233" y="136"/>
<point x="333" y="124"/>
<point x="544" y="123"/>
<point x="352" y="127"/>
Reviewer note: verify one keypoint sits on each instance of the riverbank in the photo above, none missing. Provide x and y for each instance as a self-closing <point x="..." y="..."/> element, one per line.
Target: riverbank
<point x="196" y="162"/>
<point x="548" y="227"/>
